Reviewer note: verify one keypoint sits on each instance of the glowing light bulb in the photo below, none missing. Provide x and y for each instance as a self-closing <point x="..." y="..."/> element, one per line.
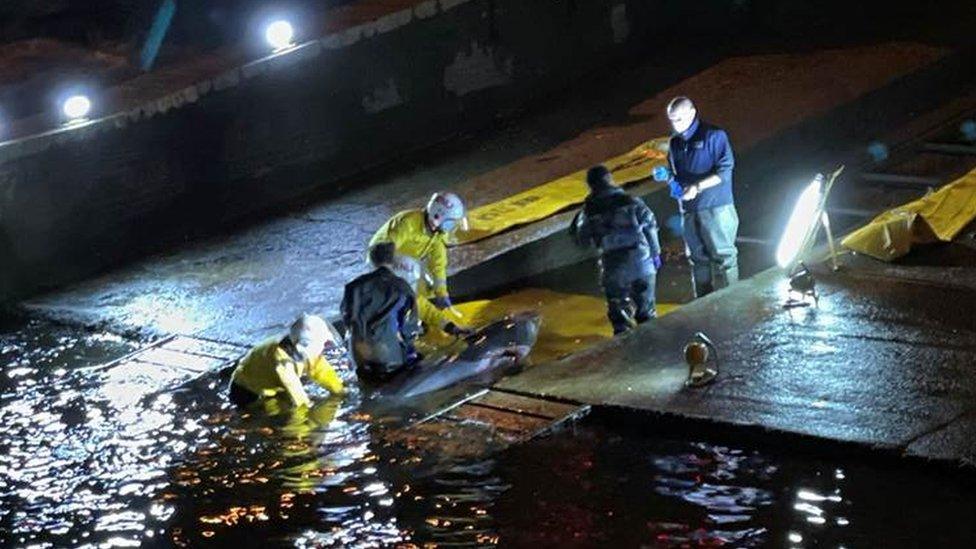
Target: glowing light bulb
<point x="279" y="35"/>
<point x="76" y="107"/>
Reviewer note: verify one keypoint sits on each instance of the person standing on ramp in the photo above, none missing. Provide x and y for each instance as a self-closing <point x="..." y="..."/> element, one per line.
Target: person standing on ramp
<point x="700" y="175"/>
<point x="624" y="230"/>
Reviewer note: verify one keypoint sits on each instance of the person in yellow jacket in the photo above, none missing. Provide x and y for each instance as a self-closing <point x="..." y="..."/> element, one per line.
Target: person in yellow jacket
<point x="276" y="366"/>
<point x="423" y="234"/>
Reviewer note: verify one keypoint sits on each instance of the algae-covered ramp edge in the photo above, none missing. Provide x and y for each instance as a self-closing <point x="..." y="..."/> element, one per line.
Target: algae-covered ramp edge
<point x="582" y="321"/>
<point x="560" y="194"/>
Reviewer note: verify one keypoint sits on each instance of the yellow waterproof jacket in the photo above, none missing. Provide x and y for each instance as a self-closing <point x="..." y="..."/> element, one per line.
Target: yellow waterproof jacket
<point x="256" y="371"/>
<point x="408" y="231"/>
<point x="431" y="316"/>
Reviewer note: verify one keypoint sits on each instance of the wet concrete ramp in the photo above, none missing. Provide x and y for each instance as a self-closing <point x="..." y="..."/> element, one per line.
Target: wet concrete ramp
<point x="886" y="360"/>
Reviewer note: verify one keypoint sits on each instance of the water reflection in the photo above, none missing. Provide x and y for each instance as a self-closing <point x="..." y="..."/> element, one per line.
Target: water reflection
<point x="52" y="434"/>
<point x="596" y="488"/>
<point x="306" y="476"/>
<point x="133" y="453"/>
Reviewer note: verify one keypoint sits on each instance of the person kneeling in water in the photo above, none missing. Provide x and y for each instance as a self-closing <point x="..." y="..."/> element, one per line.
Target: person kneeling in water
<point x="383" y="315"/>
<point x="277" y="365"/>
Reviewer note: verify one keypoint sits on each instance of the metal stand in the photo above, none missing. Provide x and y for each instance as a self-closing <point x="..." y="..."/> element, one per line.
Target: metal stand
<point x="802" y="283"/>
<point x="801" y="279"/>
<point x="825" y="219"/>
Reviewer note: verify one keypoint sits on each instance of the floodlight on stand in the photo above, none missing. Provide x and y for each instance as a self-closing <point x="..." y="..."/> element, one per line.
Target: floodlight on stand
<point x="702" y="360"/>
<point x="809" y="214"/>
<point x="279" y="35"/>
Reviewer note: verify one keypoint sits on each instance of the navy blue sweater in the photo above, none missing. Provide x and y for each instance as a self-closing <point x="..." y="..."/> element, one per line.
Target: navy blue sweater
<point x="700" y="151"/>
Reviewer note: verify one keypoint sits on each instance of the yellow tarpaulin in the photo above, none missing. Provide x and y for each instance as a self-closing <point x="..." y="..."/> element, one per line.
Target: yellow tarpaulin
<point x="937" y="216"/>
<point x="570" y="322"/>
<point x="553" y="197"/>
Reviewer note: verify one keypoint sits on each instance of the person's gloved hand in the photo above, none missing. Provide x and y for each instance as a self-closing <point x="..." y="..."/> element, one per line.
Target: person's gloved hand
<point x="661" y="174"/>
<point x="676" y="191"/>
<point x="691" y="192"/>
<point x="441" y="302"/>
<point x="413" y="356"/>
<point x="457" y="331"/>
<point x="658" y="262"/>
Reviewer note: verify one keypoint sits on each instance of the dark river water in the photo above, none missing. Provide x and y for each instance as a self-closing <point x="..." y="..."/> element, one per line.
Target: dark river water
<point x="114" y="456"/>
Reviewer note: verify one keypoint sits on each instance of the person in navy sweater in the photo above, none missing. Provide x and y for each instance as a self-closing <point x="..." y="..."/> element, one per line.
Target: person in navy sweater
<point x="700" y="175"/>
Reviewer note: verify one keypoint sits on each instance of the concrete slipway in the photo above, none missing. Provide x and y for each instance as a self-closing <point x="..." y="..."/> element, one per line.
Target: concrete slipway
<point x="883" y="364"/>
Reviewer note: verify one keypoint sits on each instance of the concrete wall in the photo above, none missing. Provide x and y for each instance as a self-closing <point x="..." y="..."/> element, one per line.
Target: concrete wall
<point x="233" y="147"/>
<point x="77" y="200"/>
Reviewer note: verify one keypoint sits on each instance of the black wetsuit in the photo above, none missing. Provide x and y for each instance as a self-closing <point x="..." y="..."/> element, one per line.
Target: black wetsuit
<point x="624" y="229"/>
<point x="379" y="310"/>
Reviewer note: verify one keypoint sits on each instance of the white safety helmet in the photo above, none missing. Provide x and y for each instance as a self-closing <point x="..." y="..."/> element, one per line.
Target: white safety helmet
<point x="309" y="333"/>
<point x="407" y="268"/>
<point x="446" y="212"/>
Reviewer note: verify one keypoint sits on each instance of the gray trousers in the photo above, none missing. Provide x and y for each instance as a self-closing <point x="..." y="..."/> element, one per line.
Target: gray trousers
<point x="710" y="240"/>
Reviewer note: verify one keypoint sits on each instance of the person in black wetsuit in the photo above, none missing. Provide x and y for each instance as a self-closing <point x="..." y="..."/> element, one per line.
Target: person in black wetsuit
<point x="383" y="315"/>
<point x="624" y="230"/>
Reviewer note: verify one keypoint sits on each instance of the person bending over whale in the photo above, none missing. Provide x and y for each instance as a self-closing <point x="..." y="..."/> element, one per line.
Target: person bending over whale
<point x="384" y="315"/>
<point x="276" y="366"/>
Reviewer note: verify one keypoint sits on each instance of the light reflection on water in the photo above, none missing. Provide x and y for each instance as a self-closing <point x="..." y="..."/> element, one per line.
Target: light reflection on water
<point x="106" y="456"/>
<point x="103" y="457"/>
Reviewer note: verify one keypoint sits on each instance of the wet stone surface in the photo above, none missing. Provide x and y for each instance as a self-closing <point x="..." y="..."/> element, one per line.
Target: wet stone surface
<point x="883" y="360"/>
<point x="244" y="286"/>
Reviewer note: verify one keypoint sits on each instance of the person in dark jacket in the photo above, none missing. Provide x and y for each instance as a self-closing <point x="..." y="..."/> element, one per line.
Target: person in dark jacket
<point x="624" y="231"/>
<point x="379" y="310"/>
<point x="384" y="315"/>
<point x="700" y="174"/>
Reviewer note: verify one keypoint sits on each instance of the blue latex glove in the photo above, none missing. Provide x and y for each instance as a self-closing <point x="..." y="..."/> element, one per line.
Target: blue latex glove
<point x="661" y="174"/>
<point x="676" y="190"/>
<point x="413" y="356"/>
<point x="441" y="302"/>
<point x="657" y="261"/>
